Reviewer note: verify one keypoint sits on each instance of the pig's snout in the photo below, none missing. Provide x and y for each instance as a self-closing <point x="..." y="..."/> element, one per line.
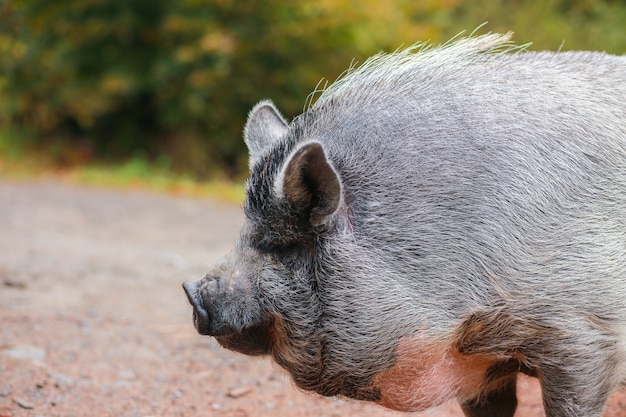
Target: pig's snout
<point x="200" y="315"/>
<point x="226" y="309"/>
<point x="213" y="301"/>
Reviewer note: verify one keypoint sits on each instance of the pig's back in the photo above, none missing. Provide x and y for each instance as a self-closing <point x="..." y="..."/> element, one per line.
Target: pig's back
<point x="504" y="170"/>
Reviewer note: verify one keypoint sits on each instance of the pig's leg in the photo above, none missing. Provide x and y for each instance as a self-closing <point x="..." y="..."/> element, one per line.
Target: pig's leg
<point x="574" y="392"/>
<point x="576" y="362"/>
<point x="579" y="372"/>
<point x="498" y="403"/>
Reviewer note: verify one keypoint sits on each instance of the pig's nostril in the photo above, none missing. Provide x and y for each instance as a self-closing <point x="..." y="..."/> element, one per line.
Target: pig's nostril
<point x="200" y="315"/>
<point x="191" y="290"/>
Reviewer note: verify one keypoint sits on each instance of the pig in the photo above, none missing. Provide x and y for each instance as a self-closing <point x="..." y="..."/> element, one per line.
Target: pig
<point x="440" y="220"/>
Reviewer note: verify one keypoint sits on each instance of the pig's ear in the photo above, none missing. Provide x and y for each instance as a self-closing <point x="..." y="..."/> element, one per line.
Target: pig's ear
<point x="310" y="183"/>
<point x="264" y="127"/>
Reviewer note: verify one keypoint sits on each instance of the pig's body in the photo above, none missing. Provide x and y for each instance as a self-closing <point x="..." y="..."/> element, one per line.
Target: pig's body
<point x="434" y="224"/>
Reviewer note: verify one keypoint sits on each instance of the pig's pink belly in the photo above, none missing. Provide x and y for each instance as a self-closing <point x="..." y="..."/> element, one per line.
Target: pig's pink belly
<point x="426" y="375"/>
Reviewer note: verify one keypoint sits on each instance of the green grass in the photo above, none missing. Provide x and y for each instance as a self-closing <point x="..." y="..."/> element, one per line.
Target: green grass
<point x="139" y="174"/>
<point x="17" y="162"/>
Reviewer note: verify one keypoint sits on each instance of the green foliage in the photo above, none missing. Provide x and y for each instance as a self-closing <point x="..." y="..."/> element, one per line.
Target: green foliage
<point x="111" y="79"/>
<point x="552" y="24"/>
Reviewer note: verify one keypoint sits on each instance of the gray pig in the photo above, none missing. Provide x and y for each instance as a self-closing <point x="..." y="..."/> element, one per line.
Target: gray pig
<point x="440" y="220"/>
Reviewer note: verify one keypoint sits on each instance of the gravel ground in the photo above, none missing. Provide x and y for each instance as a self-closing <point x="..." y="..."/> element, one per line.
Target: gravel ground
<point x="93" y="321"/>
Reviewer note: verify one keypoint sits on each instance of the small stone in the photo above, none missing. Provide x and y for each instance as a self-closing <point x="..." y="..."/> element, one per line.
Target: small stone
<point x="25" y="352"/>
<point x="23" y="403"/>
<point x="61" y="380"/>
<point x="15" y="284"/>
<point x="56" y="400"/>
<point x="126" y="374"/>
<point x="239" y="391"/>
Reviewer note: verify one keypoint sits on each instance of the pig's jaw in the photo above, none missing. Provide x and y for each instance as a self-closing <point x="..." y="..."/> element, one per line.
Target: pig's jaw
<point x="426" y="375"/>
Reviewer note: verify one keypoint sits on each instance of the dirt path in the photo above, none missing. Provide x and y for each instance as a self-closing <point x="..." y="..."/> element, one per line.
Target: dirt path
<point x="93" y="321"/>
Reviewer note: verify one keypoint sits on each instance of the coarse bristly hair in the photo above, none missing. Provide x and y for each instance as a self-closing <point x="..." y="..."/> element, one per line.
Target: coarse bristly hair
<point x="458" y="205"/>
<point x="388" y="68"/>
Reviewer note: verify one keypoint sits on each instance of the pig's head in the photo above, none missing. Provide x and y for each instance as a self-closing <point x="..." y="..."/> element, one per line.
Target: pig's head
<point x="290" y="288"/>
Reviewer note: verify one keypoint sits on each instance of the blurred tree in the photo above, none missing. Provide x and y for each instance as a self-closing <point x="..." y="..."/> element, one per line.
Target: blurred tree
<point x="226" y="56"/>
<point x="154" y="77"/>
<point x="550" y="24"/>
<point x="84" y="72"/>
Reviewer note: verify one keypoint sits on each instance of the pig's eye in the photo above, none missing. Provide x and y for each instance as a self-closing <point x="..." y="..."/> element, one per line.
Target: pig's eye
<point x="276" y="257"/>
<point x="268" y="249"/>
<point x="275" y="252"/>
